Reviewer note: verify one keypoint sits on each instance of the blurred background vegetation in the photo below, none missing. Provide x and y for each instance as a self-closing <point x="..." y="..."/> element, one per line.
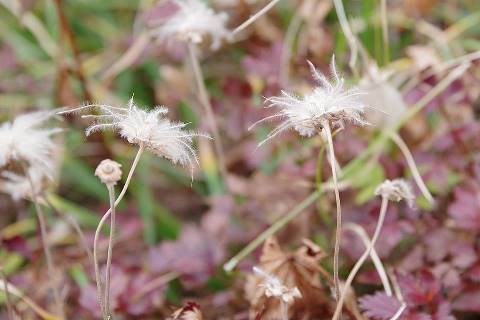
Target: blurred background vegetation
<point x="56" y="53"/>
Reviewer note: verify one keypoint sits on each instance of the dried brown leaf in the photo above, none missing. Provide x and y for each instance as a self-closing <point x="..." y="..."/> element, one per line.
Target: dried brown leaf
<point x="298" y="269"/>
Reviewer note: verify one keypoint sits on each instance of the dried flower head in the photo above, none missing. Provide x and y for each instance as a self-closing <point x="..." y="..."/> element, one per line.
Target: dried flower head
<point x="150" y="129"/>
<point x="299" y="269"/>
<point x="109" y="172"/>
<point x="20" y="187"/>
<point x="330" y="102"/>
<point x="396" y="190"/>
<point x="193" y="22"/>
<point x="26" y="140"/>
<point x="275" y="288"/>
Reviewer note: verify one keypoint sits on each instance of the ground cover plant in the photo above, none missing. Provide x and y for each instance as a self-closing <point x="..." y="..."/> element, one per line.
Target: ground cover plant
<point x="239" y="159"/>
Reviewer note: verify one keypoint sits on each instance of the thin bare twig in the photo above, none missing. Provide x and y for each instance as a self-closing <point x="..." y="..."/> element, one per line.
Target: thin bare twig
<point x="68" y="34"/>
<point x="46" y="247"/>
<point x="73" y="223"/>
<point x="255" y="17"/>
<point x="45" y="315"/>
<point x="205" y="101"/>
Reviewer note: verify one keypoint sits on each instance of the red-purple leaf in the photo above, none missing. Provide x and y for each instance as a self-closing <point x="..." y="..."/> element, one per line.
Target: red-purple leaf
<point x="379" y="306"/>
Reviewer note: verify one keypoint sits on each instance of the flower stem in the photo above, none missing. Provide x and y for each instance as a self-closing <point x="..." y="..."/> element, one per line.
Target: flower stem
<point x="338" y="231"/>
<point x="359" y="263"/>
<point x="205" y="101"/>
<point x="253" y="18"/>
<point x="362" y="234"/>
<point x="46" y="247"/>
<point x="98" y="279"/>
<point x="111" y="194"/>
<point x="413" y="167"/>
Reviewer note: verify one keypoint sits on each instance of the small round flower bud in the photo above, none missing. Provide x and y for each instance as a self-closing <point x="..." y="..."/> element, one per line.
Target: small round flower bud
<point x="109" y="172"/>
<point x="396" y="190"/>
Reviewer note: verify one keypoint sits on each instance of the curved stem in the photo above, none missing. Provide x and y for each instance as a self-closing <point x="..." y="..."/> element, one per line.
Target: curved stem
<point x="411" y="164"/>
<point x="102" y="222"/>
<point x="338" y="231"/>
<point x="46" y="247"/>
<point x="358" y="265"/>
<point x="397" y="314"/>
<point x="111" y="195"/>
<point x="362" y="234"/>
<point x="205" y="101"/>
<point x="253" y="18"/>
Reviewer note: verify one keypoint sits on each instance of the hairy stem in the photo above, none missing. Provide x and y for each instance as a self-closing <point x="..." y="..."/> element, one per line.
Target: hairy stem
<point x="362" y="234"/>
<point x="359" y="263"/>
<point x="338" y="231"/>
<point x="413" y="167"/>
<point x="46" y="247"/>
<point x="255" y="17"/>
<point x="205" y="101"/>
<point x="98" y="278"/>
<point x="111" y="195"/>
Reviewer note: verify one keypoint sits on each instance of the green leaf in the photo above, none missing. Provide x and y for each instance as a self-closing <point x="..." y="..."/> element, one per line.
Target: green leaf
<point x="78" y="275"/>
<point x="80" y="177"/>
<point x="83" y="216"/>
<point x="367" y="182"/>
<point x="168" y="226"/>
<point x="145" y="201"/>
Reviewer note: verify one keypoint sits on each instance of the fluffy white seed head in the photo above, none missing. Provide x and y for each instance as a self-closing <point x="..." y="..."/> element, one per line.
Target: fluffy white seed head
<point x="194" y="22"/>
<point x="274" y="287"/>
<point x="19" y="186"/>
<point x="329" y="102"/>
<point x="150" y="129"/>
<point x="109" y="172"/>
<point x="26" y="140"/>
<point x="396" y="190"/>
